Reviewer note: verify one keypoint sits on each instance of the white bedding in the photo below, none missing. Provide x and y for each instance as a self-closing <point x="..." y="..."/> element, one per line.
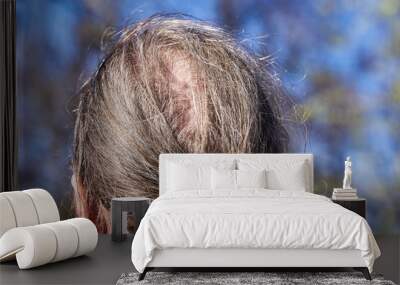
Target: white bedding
<point x="251" y="218"/>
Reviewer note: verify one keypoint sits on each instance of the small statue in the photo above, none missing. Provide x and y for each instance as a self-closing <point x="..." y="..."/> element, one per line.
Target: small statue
<point x="347" y="174"/>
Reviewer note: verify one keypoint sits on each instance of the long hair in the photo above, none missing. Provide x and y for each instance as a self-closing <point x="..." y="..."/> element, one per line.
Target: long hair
<point x="170" y="84"/>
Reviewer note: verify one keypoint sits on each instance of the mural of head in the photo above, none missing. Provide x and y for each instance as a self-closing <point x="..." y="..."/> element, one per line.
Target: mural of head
<point x="169" y="84"/>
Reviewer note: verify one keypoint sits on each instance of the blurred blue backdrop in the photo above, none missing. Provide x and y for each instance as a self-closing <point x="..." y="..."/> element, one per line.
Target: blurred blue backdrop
<point x="340" y="60"/>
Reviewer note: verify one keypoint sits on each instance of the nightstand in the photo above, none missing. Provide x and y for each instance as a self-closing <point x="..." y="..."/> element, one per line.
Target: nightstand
<point x="358" y="205"/>
<point x="121" y="208"/>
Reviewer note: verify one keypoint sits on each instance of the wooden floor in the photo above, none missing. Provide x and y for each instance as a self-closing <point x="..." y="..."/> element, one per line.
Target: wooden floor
<point x="389" y="262"/>
<point x="110" y="260"/>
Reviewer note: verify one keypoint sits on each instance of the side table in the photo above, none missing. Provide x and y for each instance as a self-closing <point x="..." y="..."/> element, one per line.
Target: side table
<point x="120" y="209"/>
<point x="357" y="205"/>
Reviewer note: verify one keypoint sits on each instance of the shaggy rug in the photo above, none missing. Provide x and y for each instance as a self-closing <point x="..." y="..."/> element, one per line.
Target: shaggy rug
<point x="229" y="278"/>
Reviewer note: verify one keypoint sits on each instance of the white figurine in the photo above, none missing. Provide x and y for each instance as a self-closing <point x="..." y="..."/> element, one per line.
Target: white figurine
<point x="347" y="174"/>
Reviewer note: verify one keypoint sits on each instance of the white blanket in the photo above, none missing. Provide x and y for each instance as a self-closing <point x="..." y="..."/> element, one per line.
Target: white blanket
<point x="250" y="218"/>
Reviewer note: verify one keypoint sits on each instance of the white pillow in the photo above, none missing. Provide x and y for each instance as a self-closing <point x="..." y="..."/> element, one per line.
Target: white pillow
<point x="235" y="179"/>
<point x="223" y="179"/>
<point x="181" y="177"/>
<point x="291" y="178"/>
<point x="281" y="175"/>
<point x="251" y="178"/>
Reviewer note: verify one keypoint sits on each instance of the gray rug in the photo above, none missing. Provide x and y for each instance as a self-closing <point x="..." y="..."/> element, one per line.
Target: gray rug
<point x="228" y="278"/>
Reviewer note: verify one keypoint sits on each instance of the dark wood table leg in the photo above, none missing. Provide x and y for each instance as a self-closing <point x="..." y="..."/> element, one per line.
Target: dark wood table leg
<point x="364" y="271"/>
<point x="143" y="274"/>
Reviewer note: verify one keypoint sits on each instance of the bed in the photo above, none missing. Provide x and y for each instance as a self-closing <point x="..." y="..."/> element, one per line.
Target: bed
<point x="247" y="211"/>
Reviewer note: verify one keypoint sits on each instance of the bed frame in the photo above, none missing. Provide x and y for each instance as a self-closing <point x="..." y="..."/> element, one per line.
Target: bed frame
<point x="249" y="259"/>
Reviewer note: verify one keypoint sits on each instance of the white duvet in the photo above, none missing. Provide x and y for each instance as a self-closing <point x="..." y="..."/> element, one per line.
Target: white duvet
<point x="252" y="218"/>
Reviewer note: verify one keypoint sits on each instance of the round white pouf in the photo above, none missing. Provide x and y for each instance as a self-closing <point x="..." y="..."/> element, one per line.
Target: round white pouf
<point x="40" y="244"/>
<point x="67" y="240"/>
<point x="33" y="246"/>
<point x="87" y="234"/>
<point x="7" y="219"/>
<point x="45" y="205"/>
<point x="26" y="208"/>
<point x="23" y="208"/>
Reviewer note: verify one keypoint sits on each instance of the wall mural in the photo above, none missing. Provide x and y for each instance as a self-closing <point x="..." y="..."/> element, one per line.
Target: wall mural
<point x="338" y="62"/>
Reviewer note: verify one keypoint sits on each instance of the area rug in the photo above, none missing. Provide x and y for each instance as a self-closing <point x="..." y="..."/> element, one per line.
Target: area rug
<point x="269" y="278"/>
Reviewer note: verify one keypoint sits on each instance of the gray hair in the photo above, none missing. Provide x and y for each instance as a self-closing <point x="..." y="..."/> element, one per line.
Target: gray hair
<point x="171" y="84"/>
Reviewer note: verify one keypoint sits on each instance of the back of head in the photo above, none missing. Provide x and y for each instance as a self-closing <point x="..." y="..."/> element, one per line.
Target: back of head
<point x="169" y="84"/>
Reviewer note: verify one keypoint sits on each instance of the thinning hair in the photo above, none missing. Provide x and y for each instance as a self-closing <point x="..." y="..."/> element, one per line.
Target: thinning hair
<point x="170" y="84"/>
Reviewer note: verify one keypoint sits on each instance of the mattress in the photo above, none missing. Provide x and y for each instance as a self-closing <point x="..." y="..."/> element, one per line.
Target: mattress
<point x="250" y="219"/>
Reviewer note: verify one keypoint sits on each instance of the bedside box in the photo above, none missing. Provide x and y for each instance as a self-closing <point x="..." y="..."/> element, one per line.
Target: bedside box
<point x="358" y="205"/>
<point x="120" y="209"/>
